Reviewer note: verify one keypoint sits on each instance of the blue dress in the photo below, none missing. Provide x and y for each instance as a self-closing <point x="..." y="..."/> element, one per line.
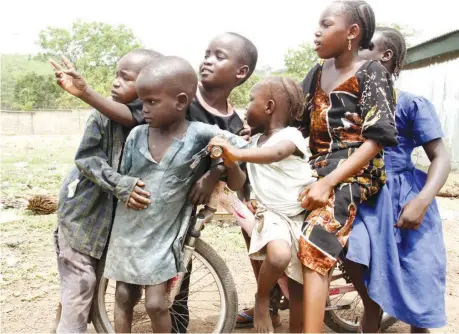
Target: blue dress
<point x="406" y="268"/>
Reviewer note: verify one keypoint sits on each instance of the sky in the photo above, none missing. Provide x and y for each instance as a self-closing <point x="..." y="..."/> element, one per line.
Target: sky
<point x="184" y="27"/>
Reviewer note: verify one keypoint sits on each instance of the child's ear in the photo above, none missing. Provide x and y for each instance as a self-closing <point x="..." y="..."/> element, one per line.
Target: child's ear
<point x="354" y="31"/>
<point x="243" y="72"/>
<point x="182" y="101"/>
<point x="387" y="55"/>
<point x="270" y="107"/>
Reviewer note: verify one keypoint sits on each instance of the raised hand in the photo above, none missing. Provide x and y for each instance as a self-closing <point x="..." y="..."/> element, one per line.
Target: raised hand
<point x="68" y="78"/>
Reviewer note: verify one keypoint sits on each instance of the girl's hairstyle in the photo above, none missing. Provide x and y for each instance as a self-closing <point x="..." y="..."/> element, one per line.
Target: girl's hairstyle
<point x="393" y="39"/>
<point x="291" y="91"/>
<point x="361" y="13"/>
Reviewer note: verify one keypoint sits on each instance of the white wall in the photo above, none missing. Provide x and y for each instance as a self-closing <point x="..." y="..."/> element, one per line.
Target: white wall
<point x="440" y="84"/>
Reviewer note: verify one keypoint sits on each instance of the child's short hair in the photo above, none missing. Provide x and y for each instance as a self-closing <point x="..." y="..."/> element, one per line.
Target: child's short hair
<point x="148" y="55"/>
<point x="176" y="73"/>
<point x="249" y="54"/>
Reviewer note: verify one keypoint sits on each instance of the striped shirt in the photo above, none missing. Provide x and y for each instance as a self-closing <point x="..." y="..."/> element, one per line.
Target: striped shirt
<point x="88" y="194"/>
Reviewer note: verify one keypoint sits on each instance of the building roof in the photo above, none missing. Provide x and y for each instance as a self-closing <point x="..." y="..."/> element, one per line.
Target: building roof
<point x="436" y="50"/>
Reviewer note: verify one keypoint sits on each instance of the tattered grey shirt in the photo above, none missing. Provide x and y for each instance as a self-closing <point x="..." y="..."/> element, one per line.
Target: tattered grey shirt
<point x="145" y="245"/>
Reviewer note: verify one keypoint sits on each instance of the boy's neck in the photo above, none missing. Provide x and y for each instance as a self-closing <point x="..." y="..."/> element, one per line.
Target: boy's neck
<point x="175" y="129"/>
<point x="217" y="98"/>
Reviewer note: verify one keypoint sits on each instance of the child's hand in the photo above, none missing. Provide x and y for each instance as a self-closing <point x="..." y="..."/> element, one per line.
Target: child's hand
<point x="413" y="214"/>
<point x="68" y="78"/>
<point x="202" y="190"/>
<point x="316" y="195"/>
<point x="139" y="198"/>
<point x="230" y="153"/>
<point x="245" y="133"/>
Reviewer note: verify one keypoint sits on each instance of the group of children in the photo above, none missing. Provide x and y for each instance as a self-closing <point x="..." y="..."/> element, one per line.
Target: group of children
<point x="132" y="191"/>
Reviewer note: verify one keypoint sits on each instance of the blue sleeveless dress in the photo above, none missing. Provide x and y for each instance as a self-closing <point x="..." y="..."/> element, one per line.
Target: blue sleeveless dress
<point x="406" y="268"/>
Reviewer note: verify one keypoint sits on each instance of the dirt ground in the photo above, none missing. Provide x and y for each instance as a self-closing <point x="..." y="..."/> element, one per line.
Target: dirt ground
<point x="29" y="280"/>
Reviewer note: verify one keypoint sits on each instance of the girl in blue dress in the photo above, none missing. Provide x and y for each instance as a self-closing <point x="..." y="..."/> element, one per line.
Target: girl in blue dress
<point x="400" y="239"/>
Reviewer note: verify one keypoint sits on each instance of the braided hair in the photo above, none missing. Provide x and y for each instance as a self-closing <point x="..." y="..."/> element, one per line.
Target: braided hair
<point x="291" y="92"/>
<point x="393" y="39"/>
<point x="361" y="13"/>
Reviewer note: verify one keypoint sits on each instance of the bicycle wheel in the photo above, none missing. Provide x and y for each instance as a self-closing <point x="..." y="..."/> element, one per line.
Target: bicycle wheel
<point x="212" y="298"/>
<point x="349" y="306"/>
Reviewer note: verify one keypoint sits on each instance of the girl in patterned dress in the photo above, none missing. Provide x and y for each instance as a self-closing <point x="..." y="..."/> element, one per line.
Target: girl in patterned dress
<point x="350" y="119"/>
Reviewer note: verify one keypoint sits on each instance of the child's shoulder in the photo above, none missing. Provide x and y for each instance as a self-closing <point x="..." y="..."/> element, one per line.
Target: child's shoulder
<point x="138" y="132"/>
<point x="290" y="131"/>
<point x="198" y="127"/>
<point x="373" y="67"/>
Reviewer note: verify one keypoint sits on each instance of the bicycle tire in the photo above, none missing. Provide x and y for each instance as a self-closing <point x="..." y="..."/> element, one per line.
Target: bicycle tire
<point x="333" y="320"/>
<point x="102" y="323"/>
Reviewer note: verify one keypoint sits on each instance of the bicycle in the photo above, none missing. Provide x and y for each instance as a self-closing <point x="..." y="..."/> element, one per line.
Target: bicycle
<point x="198" y="316"/>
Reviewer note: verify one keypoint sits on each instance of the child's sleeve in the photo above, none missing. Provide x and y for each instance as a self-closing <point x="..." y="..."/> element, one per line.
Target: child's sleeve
<point x="293" y="135"/>
<point x="235" y="140"/>
<point x="93" y="163"/>
<point x="136" y="109"/>
<point x="377" y="104"/>
<point x="426" y="125"/>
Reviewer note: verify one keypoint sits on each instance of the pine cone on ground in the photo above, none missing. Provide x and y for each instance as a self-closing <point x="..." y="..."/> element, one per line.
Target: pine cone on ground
<point x="42" y="204"/>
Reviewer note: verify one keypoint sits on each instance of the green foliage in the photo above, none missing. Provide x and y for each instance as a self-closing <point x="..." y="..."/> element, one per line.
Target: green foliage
<point x="33" y="91"/>
<point x="299" y="61"/>
<point x="93" y="47"/>
<point x="240" y="95"/>
<point x="13" y="67"/>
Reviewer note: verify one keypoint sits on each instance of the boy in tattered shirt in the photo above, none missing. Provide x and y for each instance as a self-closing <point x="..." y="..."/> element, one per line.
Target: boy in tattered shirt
<point x="88" y="194"/>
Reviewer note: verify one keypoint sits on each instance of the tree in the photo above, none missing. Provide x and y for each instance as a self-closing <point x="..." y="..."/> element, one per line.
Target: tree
<point x="13" y="67"/>
<point x="93" y="47"/>
<point x="240" y="95"/>
<point x="299" y="61"/>
<point x="33" y="91"/>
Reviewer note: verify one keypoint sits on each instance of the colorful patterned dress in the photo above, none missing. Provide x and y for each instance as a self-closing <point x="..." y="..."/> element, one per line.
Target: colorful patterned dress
<point x="360" y="108"/>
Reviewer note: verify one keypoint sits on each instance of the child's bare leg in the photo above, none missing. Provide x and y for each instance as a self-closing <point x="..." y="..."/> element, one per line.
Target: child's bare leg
<point x="126" y="297"/>
<point x="156" y="306"/>
<point x="295" y="306"/>
<point x="372" y="311"/>
<point x="315" y="287"/>
<point x="256" y="265"/>
<point x="278" y="256"/>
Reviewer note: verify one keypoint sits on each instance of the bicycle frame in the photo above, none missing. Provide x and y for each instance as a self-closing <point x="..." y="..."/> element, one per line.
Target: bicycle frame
<point x="197" y="223"/>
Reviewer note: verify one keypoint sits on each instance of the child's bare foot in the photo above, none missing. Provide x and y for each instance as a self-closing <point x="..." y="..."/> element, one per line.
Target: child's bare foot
<point x="245" y="318"/>
<point x="415" y="329"/>
<point x="262" y="319"/>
